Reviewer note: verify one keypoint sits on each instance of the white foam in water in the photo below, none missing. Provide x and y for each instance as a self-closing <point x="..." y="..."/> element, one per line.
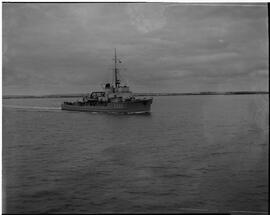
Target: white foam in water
<point x="31" y="107"/>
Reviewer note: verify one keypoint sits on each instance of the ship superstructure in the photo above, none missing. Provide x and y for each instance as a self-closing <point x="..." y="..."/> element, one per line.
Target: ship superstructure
<point x="114" y="98"/>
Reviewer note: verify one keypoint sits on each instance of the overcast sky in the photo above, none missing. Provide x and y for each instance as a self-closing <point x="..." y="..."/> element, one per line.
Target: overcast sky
<point x="68" y="48"/>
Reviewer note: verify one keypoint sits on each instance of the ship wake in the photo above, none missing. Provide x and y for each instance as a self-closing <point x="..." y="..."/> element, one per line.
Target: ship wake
<point x="33" y="108"/>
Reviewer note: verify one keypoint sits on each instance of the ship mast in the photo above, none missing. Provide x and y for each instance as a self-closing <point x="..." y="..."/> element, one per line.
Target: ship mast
<point x="116" y="81"/>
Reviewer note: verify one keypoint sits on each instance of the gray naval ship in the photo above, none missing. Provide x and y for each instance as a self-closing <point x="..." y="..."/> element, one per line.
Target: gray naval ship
<point x="114" y="98"/>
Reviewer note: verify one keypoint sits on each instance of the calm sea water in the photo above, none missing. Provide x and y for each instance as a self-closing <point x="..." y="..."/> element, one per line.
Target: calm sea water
<point x="192" y="154"/>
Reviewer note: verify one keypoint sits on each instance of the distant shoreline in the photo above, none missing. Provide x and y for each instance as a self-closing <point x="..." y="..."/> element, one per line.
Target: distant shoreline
<point x="137" y="94"/>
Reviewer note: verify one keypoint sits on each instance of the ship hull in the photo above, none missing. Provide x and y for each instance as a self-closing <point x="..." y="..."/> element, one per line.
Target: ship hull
<point x="141" y="106"/>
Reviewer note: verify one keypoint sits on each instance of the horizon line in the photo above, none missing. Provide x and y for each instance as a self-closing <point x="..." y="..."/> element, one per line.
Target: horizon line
<point x="138" y="94"/>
